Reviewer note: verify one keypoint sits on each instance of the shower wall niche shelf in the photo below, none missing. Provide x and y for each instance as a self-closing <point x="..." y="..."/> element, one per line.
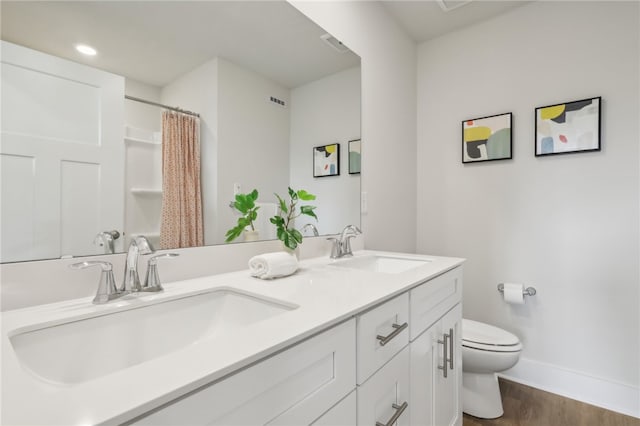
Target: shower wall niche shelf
<point x="143" y="197"/>
<point x="146" y="192"/>
<point x="141" y="141"/>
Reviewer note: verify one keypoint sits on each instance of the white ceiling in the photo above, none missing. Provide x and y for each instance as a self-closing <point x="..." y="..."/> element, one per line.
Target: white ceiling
<point x="425" y="20"/>
<point x="156" y="41"/>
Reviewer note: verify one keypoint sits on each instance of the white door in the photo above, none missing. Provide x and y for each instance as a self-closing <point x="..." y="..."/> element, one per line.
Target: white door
<point x="62" y="155"/>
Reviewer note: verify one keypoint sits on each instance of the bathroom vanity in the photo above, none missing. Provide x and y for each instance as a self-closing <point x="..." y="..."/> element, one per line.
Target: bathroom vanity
<point x="368" y="340"/>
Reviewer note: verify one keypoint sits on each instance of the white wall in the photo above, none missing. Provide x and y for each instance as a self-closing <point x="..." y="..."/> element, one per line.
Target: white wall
<point x="138" y="114"/>
<point x="253" y="141"/>
<point x="143" y="164"/>
<point x="197" y="91"/>
<point x="323" y="112"/>
<point x="567" y="225"/>
<point x="388" y="115"/>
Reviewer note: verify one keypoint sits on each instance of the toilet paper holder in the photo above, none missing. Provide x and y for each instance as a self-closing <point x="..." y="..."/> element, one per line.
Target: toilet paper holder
<point x="529" y="291"/>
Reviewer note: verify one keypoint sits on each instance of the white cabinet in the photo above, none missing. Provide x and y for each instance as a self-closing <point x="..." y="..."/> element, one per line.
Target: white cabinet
<point x="435" y="380"/>
<point x="342" y="414"/>
<point x="382" y="333"/>
<point x="436" y="352"/>
<point x="448" y="387"/>
<point x="294" y="387"/>
<point x="431" y="300"/>
<point x="384" y="397"/>
<point x="404" y="356"/>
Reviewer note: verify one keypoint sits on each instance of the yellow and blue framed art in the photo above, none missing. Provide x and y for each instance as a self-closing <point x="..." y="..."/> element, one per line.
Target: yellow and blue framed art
<point x="487" y="138"/>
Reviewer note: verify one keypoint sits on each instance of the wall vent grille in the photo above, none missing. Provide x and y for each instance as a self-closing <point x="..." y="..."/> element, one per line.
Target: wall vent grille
<point x="277" y="101"/>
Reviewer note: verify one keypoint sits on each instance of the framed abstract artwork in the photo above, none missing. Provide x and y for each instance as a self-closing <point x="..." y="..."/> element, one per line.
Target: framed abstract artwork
<point x="487" y="138"/>
<point x="568" y="127"/>
<point x="326" y="160"/>
<point x="355" y="150"/>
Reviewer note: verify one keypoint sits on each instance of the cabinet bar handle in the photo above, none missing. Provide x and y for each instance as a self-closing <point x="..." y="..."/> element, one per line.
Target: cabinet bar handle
<point x="443" y="342"/>
<point x="398" y="329"/>
<point x="399" y="410"/>
<point x="451" y="346"/>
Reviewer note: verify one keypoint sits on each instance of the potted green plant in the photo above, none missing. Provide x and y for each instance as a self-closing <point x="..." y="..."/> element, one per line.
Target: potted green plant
<point x="283" y="221"/>
<point x="245" y="204"/>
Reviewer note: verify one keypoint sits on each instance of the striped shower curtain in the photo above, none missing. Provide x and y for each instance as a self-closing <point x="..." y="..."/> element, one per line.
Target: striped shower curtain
<point x="181" y="222"/>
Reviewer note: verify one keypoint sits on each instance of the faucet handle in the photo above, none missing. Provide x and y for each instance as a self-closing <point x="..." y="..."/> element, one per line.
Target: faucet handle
<point x="346" y="245"/>
<point x="336" y="251"/>
<point x="107" y="286"/>
<point x="152" y="279"/>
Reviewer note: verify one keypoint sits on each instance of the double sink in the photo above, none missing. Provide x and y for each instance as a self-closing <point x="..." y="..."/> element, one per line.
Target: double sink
<point x="77" y="349"/>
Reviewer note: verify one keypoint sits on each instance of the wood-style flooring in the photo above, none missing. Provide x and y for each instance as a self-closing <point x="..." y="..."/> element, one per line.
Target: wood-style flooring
<point x="527" y="406"/>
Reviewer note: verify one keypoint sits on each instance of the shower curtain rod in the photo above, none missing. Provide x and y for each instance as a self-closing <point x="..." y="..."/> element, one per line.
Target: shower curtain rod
<point x="133" y="98"/>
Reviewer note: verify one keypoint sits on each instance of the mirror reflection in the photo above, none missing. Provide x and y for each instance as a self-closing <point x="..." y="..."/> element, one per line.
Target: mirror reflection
<point x="83" y="137"/>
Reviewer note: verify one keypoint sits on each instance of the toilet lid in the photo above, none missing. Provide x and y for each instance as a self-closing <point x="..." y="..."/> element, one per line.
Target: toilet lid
<point x="485" y="334"/>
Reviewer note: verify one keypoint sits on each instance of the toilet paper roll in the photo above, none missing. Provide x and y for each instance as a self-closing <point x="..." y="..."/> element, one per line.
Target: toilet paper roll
<point x="514" y="293"/>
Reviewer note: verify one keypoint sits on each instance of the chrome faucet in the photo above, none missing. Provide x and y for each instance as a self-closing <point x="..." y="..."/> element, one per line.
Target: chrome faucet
<point x="107" y="286"/>
<point x="342" y="245"/>
<point x="131" y="281"/>
<point x="105" y="239"/>
<point x="312" y="227"/>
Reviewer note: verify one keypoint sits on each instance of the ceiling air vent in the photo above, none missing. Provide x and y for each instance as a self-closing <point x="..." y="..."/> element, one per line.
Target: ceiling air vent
<point x="334" y="43"/>
<point x="277" y="101"/>
<point x="449" y="5"/>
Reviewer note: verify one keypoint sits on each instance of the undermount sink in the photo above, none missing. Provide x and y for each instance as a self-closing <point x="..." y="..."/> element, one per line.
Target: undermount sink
<point x="83" y="349"/>
<point x="380" y="263"/>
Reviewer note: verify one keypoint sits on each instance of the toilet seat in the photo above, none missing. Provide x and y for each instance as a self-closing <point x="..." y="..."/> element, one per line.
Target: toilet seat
<point x="485" y="337"/>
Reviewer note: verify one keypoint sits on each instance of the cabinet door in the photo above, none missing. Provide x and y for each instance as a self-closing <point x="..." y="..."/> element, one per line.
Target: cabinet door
<point x="423" y="370"/>
<point x="385" y="395"/>
<point x="293" y="387"/>
<point x="434" y="298"/>
<point x="447" y="390"/>
<point x="341" y="414"/>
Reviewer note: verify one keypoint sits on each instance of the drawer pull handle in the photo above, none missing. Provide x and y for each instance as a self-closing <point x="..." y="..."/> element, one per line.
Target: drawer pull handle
<point x="451" y="356"/>
<point x="443" y="342"/>
<point x="398" y="329"/>
<point x="399" y="410"/>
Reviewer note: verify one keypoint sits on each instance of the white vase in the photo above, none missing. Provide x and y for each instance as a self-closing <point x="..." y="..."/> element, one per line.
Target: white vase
<point x="251" y="235"/>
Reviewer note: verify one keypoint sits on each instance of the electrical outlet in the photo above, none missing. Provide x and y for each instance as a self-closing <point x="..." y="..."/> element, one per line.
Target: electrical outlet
<point x="236" y="189"/>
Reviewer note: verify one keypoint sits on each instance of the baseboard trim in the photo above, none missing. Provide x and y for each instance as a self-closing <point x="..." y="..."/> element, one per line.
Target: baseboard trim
<point x="618" y="397"/>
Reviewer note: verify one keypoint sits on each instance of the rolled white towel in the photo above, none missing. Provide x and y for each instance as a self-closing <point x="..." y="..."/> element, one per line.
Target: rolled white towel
<point x="273" y="265"/>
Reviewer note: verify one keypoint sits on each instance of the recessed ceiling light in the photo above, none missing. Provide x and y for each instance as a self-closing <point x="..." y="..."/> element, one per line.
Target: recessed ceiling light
<point x="86" y="50"/>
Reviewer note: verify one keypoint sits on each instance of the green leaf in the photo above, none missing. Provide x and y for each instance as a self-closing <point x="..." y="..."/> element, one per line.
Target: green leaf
<point x="296" y="235"/>
<point x="309" y="211"/>
<point x="277" y="220"/>
<point x="253" y="195"/>
<point x="292" y="194"/>
<point x="283" y="205"/>
<point x="305" y="196"/>
<point x="289" y="241"/>
<point x="233" y="233"/>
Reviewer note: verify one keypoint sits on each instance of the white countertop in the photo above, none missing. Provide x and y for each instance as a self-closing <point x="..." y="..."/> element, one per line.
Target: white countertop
<point x="326" y="295"/>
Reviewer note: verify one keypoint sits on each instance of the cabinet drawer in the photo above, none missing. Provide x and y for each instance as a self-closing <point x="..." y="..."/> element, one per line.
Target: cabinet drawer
<point x="386" y="394"/>
<point x="387" y="320"/>
<point x="343" y="413"/>
<point x="294" y="387"/>
<point x="433" y="299"/>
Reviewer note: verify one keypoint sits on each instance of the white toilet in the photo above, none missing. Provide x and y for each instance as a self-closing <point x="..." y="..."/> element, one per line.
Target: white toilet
<point x="486" y="350"/>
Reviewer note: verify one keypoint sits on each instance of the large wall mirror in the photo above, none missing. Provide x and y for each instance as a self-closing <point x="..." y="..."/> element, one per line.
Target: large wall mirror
<point x="80" y="158"/>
